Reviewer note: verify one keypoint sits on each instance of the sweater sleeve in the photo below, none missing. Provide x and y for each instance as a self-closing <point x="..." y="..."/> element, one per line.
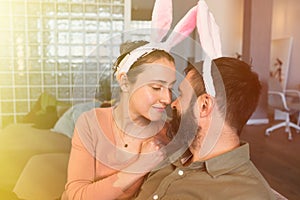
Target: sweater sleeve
<point x="83" y="171"/>
<point x="81" y="182"/>
<point x="81" y="175"/>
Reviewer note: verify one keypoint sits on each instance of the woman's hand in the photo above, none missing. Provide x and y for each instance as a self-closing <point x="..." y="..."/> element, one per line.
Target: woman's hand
<point x="150" y="145"/>
<point x="150" y="156"/>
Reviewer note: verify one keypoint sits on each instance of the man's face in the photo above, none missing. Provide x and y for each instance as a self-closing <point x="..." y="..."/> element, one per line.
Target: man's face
<point x="186" y="93"/>
<point x="184" y="119"/>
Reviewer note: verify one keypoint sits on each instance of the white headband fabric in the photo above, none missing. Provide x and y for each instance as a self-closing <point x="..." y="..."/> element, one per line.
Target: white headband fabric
<point x="133" y="56"/>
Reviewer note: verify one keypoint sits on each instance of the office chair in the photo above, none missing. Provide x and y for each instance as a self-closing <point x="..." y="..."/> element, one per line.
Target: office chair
<point x="279" y="102"/>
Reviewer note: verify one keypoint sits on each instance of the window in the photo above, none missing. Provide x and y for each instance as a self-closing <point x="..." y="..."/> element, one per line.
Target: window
<point x="61" y="47"/>
<point x="53" y="46"/>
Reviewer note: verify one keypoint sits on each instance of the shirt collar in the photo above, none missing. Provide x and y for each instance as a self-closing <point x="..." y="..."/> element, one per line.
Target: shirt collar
<point x="223" y="163"/>
<point x="228" y="161"/>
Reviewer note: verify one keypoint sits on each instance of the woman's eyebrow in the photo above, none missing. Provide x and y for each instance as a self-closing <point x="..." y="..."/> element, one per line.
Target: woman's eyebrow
<point x="165" y="82"/>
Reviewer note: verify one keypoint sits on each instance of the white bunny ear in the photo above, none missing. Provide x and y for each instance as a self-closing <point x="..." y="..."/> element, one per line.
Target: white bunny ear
<point x="183" y="28"/>
<point x="211" y="44"/>
<point x="208" y="31"/>
<point x="210" y="41"/>
<point x="161" y="20"/>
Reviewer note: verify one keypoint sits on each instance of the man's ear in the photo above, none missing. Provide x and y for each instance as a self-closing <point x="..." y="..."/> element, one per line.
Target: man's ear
<point x="124" y="84"/>
<point x="205" y="105"/>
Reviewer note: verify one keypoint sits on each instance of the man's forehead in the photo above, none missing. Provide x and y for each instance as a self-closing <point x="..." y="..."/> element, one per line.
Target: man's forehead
<point x="185" y="85"/>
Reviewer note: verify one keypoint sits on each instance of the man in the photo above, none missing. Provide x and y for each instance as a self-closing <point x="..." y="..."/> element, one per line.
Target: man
<point x="217" y="164"/>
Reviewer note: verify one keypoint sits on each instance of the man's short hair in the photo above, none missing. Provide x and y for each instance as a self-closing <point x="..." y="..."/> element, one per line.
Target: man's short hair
<point x="237" y="89"/>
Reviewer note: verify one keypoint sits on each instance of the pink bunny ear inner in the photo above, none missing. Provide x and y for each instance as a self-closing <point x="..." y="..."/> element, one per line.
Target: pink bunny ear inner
<point x="183" y="28"/>
<point x="208" y="31"/>
<point x="161" y="19"/>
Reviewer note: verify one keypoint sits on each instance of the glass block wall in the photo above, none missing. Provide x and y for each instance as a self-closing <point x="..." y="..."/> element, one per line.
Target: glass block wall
<point x="48" y="45"/>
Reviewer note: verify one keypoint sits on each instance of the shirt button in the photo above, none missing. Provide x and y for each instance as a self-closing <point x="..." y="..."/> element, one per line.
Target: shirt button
<point x="180" y="172"/>
<point x="155" y="197"/>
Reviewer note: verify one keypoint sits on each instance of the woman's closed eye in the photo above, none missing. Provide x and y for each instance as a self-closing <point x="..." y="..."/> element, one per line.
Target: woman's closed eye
<point x="157" y="87"/>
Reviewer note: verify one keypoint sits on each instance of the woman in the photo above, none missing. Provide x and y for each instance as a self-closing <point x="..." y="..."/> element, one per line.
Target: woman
<point x="114" y="148"/>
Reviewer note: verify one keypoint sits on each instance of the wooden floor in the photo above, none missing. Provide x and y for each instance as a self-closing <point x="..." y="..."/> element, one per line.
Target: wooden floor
<point x="277" y="158"/>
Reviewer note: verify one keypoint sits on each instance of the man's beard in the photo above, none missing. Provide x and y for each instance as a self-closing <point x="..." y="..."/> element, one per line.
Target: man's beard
<point x="183" y="128"/>
<point x="174" y="123"/>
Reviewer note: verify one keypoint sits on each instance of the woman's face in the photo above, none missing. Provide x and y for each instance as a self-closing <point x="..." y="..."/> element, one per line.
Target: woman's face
<point x="151" y="92"/>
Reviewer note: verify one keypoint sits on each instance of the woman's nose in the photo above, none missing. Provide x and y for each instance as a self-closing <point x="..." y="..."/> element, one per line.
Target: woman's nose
<point x="166" y="96"/>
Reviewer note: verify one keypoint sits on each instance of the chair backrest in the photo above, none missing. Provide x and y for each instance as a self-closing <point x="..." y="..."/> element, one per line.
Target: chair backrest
<point x="274" y="85"/>
<point x="275" y="100"/>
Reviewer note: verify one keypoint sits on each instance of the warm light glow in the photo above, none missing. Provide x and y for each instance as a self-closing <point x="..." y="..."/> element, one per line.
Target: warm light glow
<point x="279" y="23"/>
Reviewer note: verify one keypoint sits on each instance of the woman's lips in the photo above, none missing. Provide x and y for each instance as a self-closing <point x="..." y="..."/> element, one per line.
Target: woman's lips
<point x="160" y="109"/>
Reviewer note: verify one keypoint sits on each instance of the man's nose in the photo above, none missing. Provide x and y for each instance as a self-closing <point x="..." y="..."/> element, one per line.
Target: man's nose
<point x="174" y="104"/>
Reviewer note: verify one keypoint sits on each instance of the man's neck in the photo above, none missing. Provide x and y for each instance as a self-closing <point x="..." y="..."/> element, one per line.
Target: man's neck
<point x="227" y="141"/>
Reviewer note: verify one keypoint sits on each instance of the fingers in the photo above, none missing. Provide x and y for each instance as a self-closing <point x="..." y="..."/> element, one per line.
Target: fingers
<point x="146" y="162"/>
<point x="150" y="148"/>
<point x="151" y="155"/>
<point x="151" y="145"/>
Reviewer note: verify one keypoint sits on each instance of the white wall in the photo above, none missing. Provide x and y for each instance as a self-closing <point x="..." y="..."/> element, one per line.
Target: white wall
<point x="229" y="16"/>
<point x="286" y="16"/>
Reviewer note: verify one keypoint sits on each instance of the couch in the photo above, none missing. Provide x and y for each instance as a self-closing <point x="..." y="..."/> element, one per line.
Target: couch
<point x="34" y="159"/>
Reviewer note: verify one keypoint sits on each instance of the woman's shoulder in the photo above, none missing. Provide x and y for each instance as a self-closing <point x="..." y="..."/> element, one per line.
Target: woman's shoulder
<point x="100" y="116"/>
<point x="94" y="122"/>
<point x="99" y="112"/>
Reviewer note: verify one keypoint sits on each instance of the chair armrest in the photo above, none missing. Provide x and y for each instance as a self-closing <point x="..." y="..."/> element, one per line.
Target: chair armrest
<point x="282" y="96"/>
<point x="293" y="93"/>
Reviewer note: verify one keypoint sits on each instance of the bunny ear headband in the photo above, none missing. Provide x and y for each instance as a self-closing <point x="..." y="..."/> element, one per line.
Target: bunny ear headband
<point x="161" y="22"/>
